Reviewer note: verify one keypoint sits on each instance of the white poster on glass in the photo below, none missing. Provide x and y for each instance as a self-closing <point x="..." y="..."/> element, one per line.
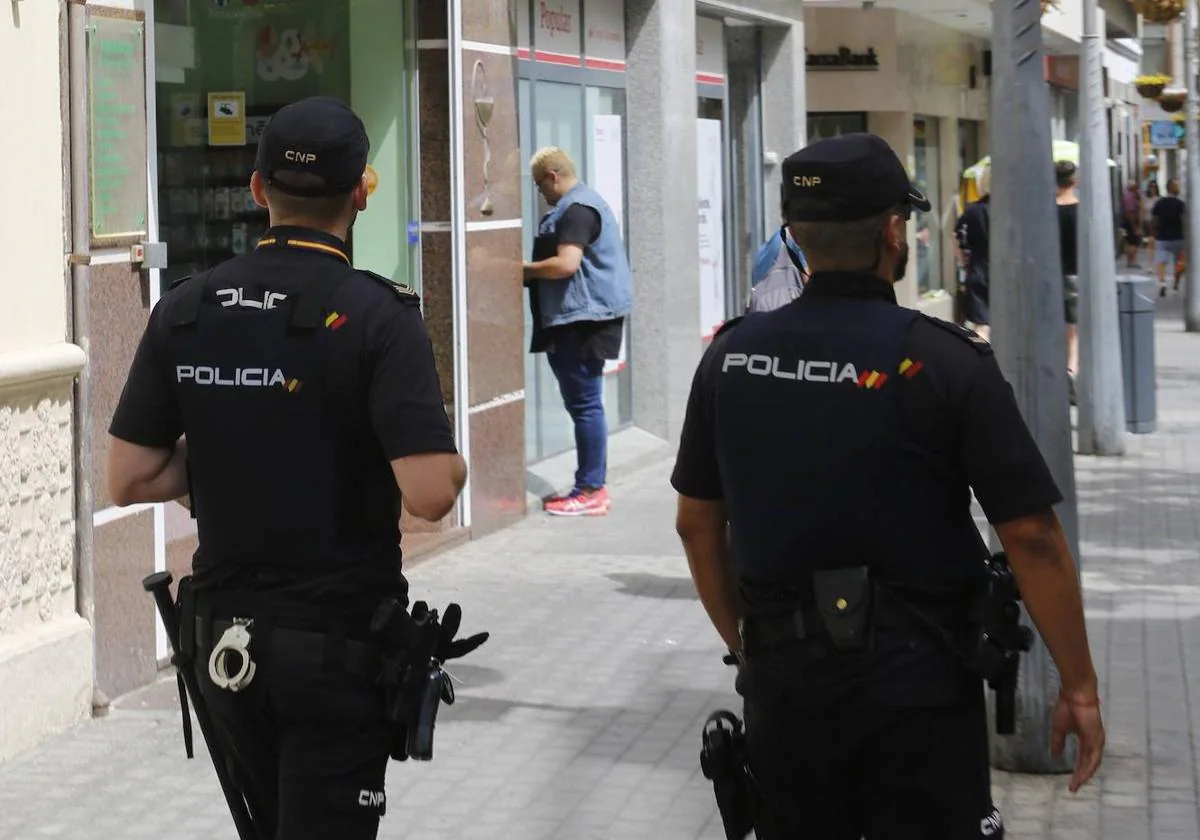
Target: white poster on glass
<point x="709" y="184"/>
<point x="608" y="178"/>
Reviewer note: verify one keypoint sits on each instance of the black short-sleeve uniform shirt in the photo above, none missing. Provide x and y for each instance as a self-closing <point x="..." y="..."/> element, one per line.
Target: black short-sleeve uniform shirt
<point x="378" y="374"/>
<point x="965" y="416"/>
<point x="579" y="225"/>
<point x="961" y="408"/>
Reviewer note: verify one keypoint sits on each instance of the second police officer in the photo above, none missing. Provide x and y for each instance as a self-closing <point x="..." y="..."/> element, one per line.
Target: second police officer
<point x="296" y="399"/>
<point x="854" y="511"/>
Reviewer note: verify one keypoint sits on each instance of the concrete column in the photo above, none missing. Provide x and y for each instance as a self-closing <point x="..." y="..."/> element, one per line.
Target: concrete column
<point x="1027" y="326"/>
<point x="1175" y="44"/>
<point x="1101" y="393"/>
<point x="663" y="202"/>
<point x="1191" y="300"/>
<point x="784" y="103"/>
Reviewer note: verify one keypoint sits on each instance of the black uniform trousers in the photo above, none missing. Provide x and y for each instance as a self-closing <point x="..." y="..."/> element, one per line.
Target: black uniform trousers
<point x="308" y="744"/>
<point x="832" y="765"/>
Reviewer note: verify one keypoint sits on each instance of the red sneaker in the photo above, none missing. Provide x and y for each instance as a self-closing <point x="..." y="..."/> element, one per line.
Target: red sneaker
<point x="593" y="503"/>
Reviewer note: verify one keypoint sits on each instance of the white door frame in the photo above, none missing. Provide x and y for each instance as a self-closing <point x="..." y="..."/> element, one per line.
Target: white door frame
<point x="161" y="651"/>
<point x="458" y="237"/>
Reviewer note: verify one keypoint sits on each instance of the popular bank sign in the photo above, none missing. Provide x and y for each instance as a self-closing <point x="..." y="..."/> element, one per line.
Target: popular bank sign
<point x="554" y="19"/>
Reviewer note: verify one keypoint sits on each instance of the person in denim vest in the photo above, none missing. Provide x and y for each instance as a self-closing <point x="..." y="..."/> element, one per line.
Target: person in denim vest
<point x="580" y="293"/>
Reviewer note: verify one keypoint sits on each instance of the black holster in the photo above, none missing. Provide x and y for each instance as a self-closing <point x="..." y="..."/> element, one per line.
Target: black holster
<point x="414" y="684"/>
<point x="723" y="762"/>
<point x="999" y="639"/>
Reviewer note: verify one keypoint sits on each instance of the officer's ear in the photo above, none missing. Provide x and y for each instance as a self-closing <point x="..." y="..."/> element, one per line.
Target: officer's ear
<point x="894" y="233"/>
<point x="361" y="191"/>
<point x="258" y="189"/>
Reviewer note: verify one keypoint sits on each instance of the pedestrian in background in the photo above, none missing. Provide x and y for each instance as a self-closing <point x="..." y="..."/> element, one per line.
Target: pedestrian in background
<point x="779" y="274"/>
<point x="1067" y="202"/>
<point x="1151" y="198"/>
<point x="579" y="292"/>
<point x="1169" y="213"/>
<point x="972" y="231"/>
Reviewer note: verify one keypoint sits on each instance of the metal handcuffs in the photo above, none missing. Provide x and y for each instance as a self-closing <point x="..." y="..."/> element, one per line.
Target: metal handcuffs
<point x="235" y="639"/>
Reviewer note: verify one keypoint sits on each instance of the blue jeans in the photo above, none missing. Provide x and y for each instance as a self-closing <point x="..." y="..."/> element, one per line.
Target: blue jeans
<point x="581" y="383"/>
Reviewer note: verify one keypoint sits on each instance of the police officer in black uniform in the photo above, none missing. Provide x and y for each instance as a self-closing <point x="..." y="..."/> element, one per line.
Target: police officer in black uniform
<point x="855" y="505"/>
<point x="296" y="399"/>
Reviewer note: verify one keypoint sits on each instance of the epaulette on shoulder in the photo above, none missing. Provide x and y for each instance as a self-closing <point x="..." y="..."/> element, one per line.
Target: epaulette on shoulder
<point x="972" y="338"/>
<point x="728" y="325"/>
<point x="401" y="290"/>
<point x="186" y="296"/>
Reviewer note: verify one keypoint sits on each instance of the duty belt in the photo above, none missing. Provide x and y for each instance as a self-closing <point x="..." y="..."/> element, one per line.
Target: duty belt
<point x="762" y="632"/>
<point x="327" y="650"/>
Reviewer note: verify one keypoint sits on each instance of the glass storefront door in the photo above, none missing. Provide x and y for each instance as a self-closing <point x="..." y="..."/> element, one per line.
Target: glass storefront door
<point x="558" y="121"/>
<point x="259" y="58"/>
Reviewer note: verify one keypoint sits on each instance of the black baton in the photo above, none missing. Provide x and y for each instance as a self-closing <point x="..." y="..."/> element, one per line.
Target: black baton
<point x="159" y="585"/>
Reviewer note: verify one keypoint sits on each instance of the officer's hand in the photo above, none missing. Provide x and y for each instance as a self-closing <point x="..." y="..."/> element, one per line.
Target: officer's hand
<point x="461" y="647"/>
<point x="448" y="647"/>
<point x="1080" y="716"/>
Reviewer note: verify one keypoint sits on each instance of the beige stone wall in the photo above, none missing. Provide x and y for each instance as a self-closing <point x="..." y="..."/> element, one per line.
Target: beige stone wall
<point x="45" y="647"/>
<point x="37" y="525"/>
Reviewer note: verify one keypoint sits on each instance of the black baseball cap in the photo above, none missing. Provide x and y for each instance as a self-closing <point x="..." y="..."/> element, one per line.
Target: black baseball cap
<point x="845" y="178"/>
<point x="316" y="136"/>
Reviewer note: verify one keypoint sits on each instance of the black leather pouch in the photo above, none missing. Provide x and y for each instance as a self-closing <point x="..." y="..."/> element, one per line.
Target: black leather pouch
<point x="843" y="600"/>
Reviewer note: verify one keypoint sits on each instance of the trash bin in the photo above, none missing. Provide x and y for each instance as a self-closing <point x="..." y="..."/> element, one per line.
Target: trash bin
<point x="1135" y="314"/>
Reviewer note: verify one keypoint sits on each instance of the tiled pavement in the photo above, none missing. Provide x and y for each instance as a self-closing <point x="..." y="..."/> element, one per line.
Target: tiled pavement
<point x="1140" y="532"/>
<point x="580" y="718"/>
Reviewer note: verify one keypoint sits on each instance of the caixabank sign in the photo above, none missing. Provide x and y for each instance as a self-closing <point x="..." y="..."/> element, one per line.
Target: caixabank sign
<point x="843" y="58"/>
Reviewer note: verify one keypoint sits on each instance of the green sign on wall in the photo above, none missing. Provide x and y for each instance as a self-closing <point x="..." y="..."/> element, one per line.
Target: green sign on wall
<point x="116" y="53"/>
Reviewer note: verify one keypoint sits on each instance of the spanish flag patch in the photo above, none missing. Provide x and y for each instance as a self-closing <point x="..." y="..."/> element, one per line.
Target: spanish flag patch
<point x="872" y="379"/>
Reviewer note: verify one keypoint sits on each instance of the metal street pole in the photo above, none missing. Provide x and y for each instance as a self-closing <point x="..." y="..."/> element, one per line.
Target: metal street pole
<point x="1101" y="392"/>
<point x="1191" y="288"/>
<point x="1028" y="331"/>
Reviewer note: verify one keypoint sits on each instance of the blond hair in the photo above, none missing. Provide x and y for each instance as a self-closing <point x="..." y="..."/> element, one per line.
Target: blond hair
<point x="552" y="159"/>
